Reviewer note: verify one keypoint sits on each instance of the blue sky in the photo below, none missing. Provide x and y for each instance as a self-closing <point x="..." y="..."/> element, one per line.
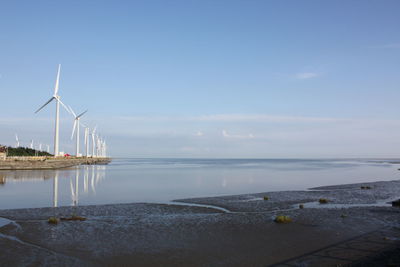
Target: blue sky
<point x="207" y="78"/>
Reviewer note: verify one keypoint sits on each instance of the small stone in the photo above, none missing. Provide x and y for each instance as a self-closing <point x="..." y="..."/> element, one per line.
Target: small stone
<point x="266" y="197"/>
<point x="396" y="203"/>
<point x="301" y="206"/>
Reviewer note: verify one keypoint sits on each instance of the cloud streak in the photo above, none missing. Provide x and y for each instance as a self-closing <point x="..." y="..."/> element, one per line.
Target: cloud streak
<point x="228" y="118"/>
<point x="226" y="135"/>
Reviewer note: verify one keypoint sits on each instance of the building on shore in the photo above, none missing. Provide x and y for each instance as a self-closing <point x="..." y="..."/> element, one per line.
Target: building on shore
<point x="3" y="152"/>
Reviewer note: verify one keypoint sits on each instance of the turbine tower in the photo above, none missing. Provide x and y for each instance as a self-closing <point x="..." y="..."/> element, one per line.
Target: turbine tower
<point x="87" y="132"/>
<point x="56" y="97"/>
<point x="93" y="141"/>
<point x="76" y="125"/>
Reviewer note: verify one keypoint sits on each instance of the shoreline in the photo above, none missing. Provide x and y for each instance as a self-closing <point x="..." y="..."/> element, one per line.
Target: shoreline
<point x="48" y="163"/>
<point x="186" y="233"/>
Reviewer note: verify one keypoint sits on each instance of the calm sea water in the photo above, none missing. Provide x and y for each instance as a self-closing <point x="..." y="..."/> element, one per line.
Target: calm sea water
<point x="162" y="180"/>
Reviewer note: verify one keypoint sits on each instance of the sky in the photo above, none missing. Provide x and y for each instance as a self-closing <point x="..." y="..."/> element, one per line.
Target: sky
<point x="206" y="79"/>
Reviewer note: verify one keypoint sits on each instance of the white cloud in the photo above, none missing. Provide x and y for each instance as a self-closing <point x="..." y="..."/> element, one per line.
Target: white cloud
<point x="226" y="135"/>
<point x="306" y="75"/>
<point x="199" y="133"/>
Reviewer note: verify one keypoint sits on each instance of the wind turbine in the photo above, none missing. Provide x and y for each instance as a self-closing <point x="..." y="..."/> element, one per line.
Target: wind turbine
<point x="16" y="140"/>
<point x="93" y="141"/>
<point x="31" y="145"/>
<point x="76" y="125"/>
<point x="87" y="132"/>
<point x="55" y="97"/>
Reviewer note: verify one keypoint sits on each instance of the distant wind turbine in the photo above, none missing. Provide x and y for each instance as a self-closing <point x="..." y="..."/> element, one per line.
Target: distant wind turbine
<point x="31" y="145"/>
<point x="55" y="97"/>
<point x="76" y="126"/>
<point x="87" y="132"/>
<point x="16" y="140"/>
<point x="93" y="141"/>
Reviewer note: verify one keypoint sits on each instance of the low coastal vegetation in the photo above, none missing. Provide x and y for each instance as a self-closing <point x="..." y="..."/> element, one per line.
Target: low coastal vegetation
<point x="25" y="152"/>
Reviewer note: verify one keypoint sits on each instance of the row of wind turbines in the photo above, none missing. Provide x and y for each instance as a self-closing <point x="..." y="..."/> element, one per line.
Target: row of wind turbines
<point x="99" y="146"/>
<point x="31" y="145"/>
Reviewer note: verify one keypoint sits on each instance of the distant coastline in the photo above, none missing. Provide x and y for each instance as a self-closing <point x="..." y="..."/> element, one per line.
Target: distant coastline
<point x="48" y="163"/>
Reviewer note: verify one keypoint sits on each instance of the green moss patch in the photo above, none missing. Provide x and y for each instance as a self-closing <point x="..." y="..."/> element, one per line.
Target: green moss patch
<point x="282" y="219"/>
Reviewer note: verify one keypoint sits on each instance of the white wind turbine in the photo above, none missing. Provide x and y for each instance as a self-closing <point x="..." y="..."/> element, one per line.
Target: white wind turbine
<point x="31" y="145"/>
<point x="16" y="141"/>
<point x="93" y="141"/>
<point x="87" y="132"/>
<point x="76" y="126"/>
<point x="56" y="97"/>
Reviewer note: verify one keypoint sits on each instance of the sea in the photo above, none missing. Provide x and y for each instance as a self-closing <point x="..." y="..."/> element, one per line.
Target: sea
<point x="127" y="180"/>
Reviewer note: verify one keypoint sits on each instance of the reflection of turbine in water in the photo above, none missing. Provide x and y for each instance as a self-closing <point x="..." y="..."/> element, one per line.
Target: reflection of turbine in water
<point x="100" y="174"/>
<point x="55" y="190"/>
<point x="74" y="189"/>
<point x="224" y="182"/>
<point x="92" y="181"/>
<point x="86" y="180"/>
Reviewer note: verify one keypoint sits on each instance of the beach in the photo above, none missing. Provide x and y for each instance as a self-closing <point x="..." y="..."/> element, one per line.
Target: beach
<point x="355" y="227"/>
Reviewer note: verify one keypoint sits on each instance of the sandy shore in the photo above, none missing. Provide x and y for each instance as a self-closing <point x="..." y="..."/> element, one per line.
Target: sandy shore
<point x="355" y="227"/>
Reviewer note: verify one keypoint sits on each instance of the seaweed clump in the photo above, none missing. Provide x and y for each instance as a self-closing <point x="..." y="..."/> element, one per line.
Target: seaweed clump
<point x="53" y="220"/>
<point x="266" y="198"/>
<point x="301" y="206"/>
<point x="323" y="201"/>
<point x="74" y="218"/>
<point x="365" y="187"/>
<point x="283" y="219"/>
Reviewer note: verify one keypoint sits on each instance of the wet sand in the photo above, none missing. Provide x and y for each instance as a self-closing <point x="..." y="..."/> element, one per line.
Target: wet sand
<point x="355" y="227"/>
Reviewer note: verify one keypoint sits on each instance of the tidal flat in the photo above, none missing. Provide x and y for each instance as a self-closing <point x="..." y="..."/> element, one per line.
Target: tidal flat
<point x="356" y="226"/>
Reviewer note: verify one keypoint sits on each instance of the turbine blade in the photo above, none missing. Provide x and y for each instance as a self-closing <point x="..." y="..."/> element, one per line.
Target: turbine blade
<point x="72" y="111"/>
<point x="64" y="106"/>
<point x="51" y="99"/>
<point x="57" y="80"/>
<point x="73" y="130"/>
<point x="80" y="115"/>
<point x="85" y="140"/>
